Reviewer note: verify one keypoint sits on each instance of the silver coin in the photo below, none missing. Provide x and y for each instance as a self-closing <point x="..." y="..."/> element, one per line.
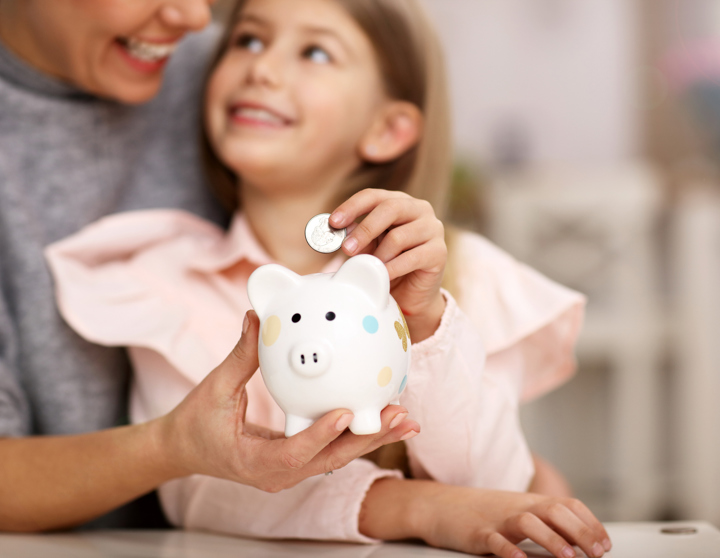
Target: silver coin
<point x="321" y="236"/>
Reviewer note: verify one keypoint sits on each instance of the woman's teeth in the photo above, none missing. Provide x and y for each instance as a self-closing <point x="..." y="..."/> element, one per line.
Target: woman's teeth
<point x="259" y="115"/>
<point x="148" y="52"/>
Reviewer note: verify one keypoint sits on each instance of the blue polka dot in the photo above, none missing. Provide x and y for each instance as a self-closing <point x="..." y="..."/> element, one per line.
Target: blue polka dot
<point x="370" y="324"/>
<point x="402" y="385"/>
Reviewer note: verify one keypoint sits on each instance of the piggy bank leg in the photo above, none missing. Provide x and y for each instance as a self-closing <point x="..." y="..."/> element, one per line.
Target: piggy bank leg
<point x="366" y="421"/>
<point x="295" y="424"/>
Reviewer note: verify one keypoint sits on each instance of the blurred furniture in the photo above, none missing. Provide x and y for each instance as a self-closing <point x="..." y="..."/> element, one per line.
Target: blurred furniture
<point x="594" y="230"/>
<point x="696" y="270"/>
<point x="630" y="541"/>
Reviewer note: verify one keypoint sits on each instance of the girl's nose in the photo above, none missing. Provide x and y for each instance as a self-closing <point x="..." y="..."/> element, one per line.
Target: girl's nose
<point x="266" y="70"/>
<point x="190" y="15"/>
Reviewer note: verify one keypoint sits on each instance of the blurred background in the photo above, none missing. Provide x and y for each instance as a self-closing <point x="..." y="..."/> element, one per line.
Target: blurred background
<point x="588" y="146"/>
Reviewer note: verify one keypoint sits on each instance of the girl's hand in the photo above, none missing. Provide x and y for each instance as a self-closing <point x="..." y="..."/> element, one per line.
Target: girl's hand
<point x="480" y="521"/>
<point x="207" y="433"/>
<point x="403" y="233"/>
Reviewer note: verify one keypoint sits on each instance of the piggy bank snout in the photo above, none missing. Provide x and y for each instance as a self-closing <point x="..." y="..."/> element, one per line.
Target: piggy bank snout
<point x="311" y="358"/>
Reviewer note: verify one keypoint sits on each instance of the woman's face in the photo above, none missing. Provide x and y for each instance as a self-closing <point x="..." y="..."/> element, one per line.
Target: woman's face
<point x="111" y="48"/>
<point x="294" y="93"/>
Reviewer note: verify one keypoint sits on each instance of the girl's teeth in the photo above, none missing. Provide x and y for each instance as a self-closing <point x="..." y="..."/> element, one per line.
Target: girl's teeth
<point x="260" y="115"/>
<point x="148" y="52"/>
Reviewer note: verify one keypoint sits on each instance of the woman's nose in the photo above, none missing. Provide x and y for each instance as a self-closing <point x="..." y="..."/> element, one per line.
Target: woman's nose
<point x="191" y="15"/>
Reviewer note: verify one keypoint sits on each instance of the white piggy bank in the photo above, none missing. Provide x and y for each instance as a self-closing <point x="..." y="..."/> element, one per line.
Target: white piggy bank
<point x="331" y="341"/>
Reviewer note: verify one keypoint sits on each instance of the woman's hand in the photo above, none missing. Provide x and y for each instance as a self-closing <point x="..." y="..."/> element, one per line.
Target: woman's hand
<point x="480" y="521"/>
<point x="404" y="233"/>
<point x="207" y="433"/>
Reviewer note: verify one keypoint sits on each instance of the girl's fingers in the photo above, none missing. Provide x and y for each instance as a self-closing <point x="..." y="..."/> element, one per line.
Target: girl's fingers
<point x="584" y="513"/>
<point x="528" y="525"/>
<point x="395" y="211"/>
<point x="576" y="530"/>
<point x="403" y="238"/>
<point x="497" y="544"/>
<point x="428" y="257"/>
<point x="360" y="204"/>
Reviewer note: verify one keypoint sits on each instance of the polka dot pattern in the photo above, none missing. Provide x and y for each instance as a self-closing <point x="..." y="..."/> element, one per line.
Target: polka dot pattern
<point x="271" y="331"/>
<point x="370" y="324"/>
<point x="384" y="376"/>
<point x="402" y="385"/>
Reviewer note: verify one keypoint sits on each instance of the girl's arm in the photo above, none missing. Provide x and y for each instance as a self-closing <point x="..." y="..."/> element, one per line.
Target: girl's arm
<point x="447" y="384"/>
<point x="479" y="521"/>
<point x="471" y="429"/>
<point x="62" y="481"/>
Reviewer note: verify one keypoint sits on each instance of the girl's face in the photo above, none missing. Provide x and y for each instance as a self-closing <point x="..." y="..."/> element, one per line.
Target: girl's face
<point x="294" y="93"/>
<point x="112" y="48"/>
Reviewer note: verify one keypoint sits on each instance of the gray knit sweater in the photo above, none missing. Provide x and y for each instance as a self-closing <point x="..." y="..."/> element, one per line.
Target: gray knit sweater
<point x="67" y="159"/>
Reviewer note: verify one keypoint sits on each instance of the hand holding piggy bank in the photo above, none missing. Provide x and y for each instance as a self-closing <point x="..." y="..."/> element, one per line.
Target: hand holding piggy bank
<point x="331" y="341"/>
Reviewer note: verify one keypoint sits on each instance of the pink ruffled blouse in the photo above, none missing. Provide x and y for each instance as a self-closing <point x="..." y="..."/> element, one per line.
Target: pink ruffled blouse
<point x="172" y="288"/>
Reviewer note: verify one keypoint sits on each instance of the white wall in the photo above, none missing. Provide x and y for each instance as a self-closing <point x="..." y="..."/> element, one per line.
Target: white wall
<point x="564" y="71"/>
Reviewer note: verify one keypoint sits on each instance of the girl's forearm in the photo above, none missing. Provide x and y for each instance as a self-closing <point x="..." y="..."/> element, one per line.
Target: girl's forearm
<point x="54" y="482"/>
<point x="394" y="509"/>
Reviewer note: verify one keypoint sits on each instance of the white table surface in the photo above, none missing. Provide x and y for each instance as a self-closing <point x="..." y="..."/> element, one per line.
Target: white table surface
<point x="631" y="540"/>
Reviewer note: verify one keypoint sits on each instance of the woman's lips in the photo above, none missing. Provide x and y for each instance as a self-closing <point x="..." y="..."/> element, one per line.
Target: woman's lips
<point x="144" y="55"/>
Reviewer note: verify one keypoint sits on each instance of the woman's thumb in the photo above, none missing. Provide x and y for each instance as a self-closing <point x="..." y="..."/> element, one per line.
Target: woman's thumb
<point x="243" y="360"/>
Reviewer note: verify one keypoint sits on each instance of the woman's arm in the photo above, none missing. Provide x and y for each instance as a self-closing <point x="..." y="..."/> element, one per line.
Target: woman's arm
<point x="479" y="521"/>
<point x="61" y="481"/>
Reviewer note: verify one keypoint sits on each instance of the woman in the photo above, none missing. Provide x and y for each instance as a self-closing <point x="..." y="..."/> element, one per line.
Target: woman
<point x="98" y="104"/>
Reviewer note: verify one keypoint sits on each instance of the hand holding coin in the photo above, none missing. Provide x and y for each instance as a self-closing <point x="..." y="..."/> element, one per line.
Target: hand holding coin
<point x="321" y="237"/>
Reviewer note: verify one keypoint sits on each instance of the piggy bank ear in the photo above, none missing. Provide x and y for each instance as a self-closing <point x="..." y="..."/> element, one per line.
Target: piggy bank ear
<point x="368" y="274"/>
<point x="266" y="282"/>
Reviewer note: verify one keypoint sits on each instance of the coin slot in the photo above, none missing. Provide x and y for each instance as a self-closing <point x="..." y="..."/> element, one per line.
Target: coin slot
<point x="678" y="530"/>
<point x="296" y="318"/>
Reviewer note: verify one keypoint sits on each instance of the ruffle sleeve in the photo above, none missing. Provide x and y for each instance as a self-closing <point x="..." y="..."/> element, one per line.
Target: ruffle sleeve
<point x="118" y="284"/>
<point x="516" y="308"/>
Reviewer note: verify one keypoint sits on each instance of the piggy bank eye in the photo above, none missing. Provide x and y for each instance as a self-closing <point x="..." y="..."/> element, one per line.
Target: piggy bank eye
<point x="330" y="316"/>
<point x="296" y="318"/>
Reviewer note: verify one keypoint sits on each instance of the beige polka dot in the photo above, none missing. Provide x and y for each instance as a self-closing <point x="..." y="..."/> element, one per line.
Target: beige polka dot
<point x="271" y="331"/>
<point x="385" y="376"/>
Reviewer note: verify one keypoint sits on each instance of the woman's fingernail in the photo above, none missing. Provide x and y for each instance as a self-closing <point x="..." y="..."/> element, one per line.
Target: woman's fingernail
<point x="519" y="554"/>
<point x="351" y="244"/>
<point x="337" y="219"/>
<point x="607" y="545"/>
<point x="597" y="550"/>
<point x="397" y="420"/>
<point x="409" y="435"/>
<point x="246" y="324"/>
<point x="343" y="422"/>
<point x="569" y="551"/>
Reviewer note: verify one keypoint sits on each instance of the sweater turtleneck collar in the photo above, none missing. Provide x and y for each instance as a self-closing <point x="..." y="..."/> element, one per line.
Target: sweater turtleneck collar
<point x="18" y="72"/>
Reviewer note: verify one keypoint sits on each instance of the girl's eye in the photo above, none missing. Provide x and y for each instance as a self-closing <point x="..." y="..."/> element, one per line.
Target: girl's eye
<point x="250" y="42"/>
<point x="317" y="55"/>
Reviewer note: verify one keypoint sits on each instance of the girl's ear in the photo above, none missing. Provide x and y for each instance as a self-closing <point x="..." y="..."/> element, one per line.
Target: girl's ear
<point x="396" y="129"/>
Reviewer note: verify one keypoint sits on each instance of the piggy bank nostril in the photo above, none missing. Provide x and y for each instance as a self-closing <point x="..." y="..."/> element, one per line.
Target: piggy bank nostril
<point x="311" y="358"/>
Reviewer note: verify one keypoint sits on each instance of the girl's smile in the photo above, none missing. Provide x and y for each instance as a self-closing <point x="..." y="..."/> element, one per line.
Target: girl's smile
<point x="248" y="113"/>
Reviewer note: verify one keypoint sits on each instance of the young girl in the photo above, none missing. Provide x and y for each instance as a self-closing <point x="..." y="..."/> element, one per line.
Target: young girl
<point x="309" y="105"/>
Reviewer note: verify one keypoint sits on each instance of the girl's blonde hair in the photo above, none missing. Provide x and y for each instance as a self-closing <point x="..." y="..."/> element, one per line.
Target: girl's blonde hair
<point x="411" y="61"/>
